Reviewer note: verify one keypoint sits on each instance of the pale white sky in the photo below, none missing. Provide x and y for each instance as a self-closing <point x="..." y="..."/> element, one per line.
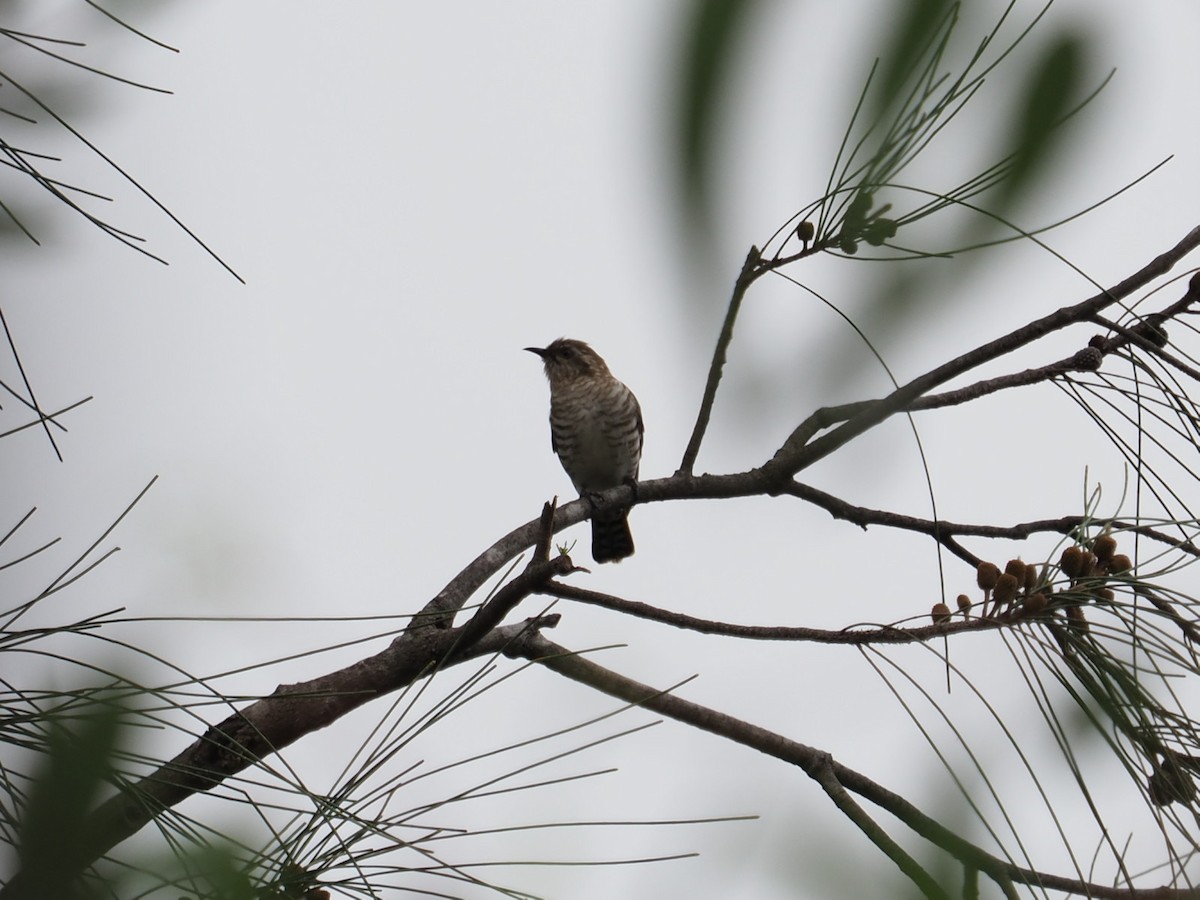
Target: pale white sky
<point x="413" y="193"/>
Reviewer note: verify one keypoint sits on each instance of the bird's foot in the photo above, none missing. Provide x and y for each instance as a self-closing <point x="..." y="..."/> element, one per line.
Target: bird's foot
<point x="632" y="484"/>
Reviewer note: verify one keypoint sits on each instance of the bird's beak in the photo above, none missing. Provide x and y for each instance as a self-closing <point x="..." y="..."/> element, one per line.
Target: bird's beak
<point x="538" y="350"/>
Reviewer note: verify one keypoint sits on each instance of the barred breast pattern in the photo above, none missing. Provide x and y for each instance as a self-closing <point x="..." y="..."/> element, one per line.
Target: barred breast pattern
<point x="596" y="427"/>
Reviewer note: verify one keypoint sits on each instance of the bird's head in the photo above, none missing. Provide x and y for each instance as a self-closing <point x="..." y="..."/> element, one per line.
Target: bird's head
<point x="567" y="359"/>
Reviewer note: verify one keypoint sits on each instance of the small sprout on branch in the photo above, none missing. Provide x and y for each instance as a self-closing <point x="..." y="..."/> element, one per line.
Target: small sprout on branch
<point x="879" y="231"/>
<point x="1152" y="330"/>
<point x="1169" y="783"/>
<point x="964" y="605"/>
<point x="805" y="231"/>
<point x="986" y="576"/>
<point x="1088" y="359"/>
<point x="940" y="613"/>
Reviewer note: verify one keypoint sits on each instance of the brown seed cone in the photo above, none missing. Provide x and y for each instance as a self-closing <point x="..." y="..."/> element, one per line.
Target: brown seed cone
<point x="1073" y="562"/>
<point x="1006" y="589"/>
<point x="1104" y="547"/>
<point x="1119" y="564"/>
<point x="1034" y="604"/>
<point x="1016" y="568"/>
<point x="1031" y="578"/>
<point x="986" y="575"/>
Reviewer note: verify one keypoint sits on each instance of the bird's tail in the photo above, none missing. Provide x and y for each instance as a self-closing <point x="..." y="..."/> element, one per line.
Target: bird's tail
<point x="611" y="539"/>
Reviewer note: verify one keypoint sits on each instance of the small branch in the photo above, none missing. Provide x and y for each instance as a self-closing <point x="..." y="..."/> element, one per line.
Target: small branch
<point x="546" y="531"/>
<point x="814" y="762"/>
<point x="439" y="612"/>
<point x="945" y="531"/>
<point x="1187" y="628"/>
<point x="537" y="575"/>
<point x="797" y="454"/>
<point x="855" y="635"/>
<point x="750" y="272"/>
<point x="825" y="776"/>
<point x="1086" y="360"/>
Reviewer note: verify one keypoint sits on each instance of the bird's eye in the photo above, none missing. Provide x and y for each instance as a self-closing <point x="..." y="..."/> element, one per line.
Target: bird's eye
<point x="567" y="352"/>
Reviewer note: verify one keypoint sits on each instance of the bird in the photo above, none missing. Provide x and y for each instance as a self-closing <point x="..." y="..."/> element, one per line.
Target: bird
<point x="596" y="430"/>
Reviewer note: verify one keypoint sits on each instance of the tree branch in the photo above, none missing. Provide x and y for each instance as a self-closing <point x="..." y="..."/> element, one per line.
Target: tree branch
<point x="817" y="764"/>
<point x="798" y="453"/>
<point x="775" y="476"/>
<point x="267" y="726"/>
<point x="944" y="531"/>
<point x="750" y="272"/>
<point x="854" y="635"/>
<point x="1087" y="359"/>
<point x="825" y="776"/>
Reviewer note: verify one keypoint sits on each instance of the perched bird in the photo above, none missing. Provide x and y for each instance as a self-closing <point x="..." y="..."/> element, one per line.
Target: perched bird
<point x="596" y="430"/>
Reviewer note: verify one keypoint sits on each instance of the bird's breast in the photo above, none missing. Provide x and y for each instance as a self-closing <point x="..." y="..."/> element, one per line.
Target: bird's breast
<point x="596" y="434"/>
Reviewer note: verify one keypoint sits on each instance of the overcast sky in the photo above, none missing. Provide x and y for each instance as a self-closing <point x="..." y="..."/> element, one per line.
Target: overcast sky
<point x="415" y="192"/>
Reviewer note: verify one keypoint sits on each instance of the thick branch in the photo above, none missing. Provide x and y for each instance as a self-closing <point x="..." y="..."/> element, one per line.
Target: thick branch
<point x="818" y="765"/>
<point x="775" y="476"/>
<point x="537" y="575"/>
<point x="267" y="726"/>
<point x="753" y="483"/>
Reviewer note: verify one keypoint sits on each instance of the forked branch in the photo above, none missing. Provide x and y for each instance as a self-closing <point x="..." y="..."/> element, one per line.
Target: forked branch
<point x="822" y="768"/>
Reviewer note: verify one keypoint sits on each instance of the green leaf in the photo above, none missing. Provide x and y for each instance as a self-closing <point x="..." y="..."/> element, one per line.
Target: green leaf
<point x="1050" y="95"/>
<point x="77" y="765"/>
<point x="711" y="41"/>
<point x="921" y="24"/>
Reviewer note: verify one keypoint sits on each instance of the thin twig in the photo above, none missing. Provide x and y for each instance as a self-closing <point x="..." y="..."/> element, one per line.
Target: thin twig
<point x="855" y="635"/>
<point x="945" y="531"/>
<point x="750" y="272"/>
